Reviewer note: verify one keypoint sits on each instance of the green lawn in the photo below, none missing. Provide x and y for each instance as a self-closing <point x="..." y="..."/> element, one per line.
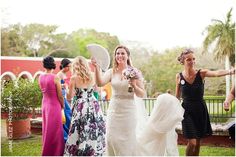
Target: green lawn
<point x="32" y="147"/>
<point x="27" y="147"/>
<point x="211" y="151"/>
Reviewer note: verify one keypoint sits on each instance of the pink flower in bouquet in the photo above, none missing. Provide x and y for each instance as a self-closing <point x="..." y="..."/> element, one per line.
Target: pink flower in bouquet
<point x="131" y="73"/>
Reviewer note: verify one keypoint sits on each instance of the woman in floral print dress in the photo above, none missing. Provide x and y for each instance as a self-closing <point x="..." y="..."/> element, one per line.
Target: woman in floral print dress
<point x="87" y="130"/>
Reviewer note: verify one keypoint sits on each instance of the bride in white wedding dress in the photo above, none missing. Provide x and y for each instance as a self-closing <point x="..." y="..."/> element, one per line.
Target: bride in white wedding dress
<point x="129" y="131"/>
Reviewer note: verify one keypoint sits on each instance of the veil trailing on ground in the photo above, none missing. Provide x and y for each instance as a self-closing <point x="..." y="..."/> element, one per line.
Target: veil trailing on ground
<point x="156" y="134"/>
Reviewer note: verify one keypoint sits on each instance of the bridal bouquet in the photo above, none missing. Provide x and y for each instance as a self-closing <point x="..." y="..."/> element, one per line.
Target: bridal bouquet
<point x="131" y="73"/>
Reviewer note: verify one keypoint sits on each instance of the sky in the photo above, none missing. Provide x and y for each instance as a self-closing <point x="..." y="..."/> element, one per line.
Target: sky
<point x="159" y="23"/>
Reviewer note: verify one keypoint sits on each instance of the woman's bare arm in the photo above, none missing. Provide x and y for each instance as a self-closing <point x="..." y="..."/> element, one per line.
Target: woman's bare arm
<point x="71" y="89"/>
<point x="59" y="92"/>
<point x="177" y="87"/>
<point x="217" y="73"/>
<point x="101" y="80"/>
<point x="138" y="88"/>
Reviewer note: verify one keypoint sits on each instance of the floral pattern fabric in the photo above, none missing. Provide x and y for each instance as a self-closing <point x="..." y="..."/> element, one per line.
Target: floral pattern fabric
<point x="87" y="131"/>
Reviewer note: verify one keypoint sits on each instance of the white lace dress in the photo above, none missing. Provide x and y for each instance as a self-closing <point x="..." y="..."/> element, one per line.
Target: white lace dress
<point x="156" y="136"/>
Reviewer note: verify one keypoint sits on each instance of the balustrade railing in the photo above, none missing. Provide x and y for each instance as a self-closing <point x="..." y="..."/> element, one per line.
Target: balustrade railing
<point x="214" y="106"/>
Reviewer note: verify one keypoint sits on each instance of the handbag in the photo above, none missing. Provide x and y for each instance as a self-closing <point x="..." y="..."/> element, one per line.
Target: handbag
<point x="63" y="117"/>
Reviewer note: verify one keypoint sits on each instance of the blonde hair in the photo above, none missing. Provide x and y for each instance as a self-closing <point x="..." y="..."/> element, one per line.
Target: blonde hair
<point x="115" y="64"/>
<point x="81" y="68"/>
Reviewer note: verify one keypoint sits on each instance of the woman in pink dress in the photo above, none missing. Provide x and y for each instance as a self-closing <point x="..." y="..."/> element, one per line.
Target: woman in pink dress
<point x="52" y="104"/>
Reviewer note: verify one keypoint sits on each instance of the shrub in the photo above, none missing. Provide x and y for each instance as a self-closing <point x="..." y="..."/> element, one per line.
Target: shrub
<point x="19" y="98"/>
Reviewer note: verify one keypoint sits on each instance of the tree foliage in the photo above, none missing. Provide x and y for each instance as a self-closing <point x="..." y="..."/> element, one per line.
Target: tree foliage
<point x="41" y="40"/>
<point x="223" y="35"/>
<point x="12" y="43"/>
<point x="161" y="68"/>
<point x="83" y="37"/>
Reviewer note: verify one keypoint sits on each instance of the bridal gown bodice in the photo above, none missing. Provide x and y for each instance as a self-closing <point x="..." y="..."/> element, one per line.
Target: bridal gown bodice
<point x="156" y="135"/>
<point x="120" y="94"/>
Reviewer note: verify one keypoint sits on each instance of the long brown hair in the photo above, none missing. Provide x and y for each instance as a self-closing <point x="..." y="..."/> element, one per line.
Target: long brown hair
<point x="115" y="64"/>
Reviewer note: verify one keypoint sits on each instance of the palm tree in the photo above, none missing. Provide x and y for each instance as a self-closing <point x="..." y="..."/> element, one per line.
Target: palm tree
<point x="221" y="35"/>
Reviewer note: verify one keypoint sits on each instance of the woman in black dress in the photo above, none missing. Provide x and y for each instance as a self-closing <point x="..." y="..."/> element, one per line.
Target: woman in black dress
<point x="190" y="86"/>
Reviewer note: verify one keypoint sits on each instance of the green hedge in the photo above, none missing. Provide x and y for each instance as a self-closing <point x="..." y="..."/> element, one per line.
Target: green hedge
<point x="20" y="97"/>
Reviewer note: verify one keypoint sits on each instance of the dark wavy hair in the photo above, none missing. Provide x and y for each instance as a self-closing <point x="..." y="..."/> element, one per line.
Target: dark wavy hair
<point x="64" y="63"/>
<point x="49" y="63"/>
<point x="182" y="55"/>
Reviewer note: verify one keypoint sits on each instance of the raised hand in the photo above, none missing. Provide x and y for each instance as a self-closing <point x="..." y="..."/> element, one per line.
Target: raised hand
<point x="132" y="82"/>
<point x="232" y="71"/>
<point x="93" y="61"/>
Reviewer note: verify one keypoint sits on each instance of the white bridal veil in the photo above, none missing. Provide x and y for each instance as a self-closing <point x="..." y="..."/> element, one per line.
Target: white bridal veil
<point x="156" y="134"/>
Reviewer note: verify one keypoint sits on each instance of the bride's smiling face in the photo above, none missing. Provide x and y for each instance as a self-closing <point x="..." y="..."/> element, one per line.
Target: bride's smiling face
<point x="121" y="56"/>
